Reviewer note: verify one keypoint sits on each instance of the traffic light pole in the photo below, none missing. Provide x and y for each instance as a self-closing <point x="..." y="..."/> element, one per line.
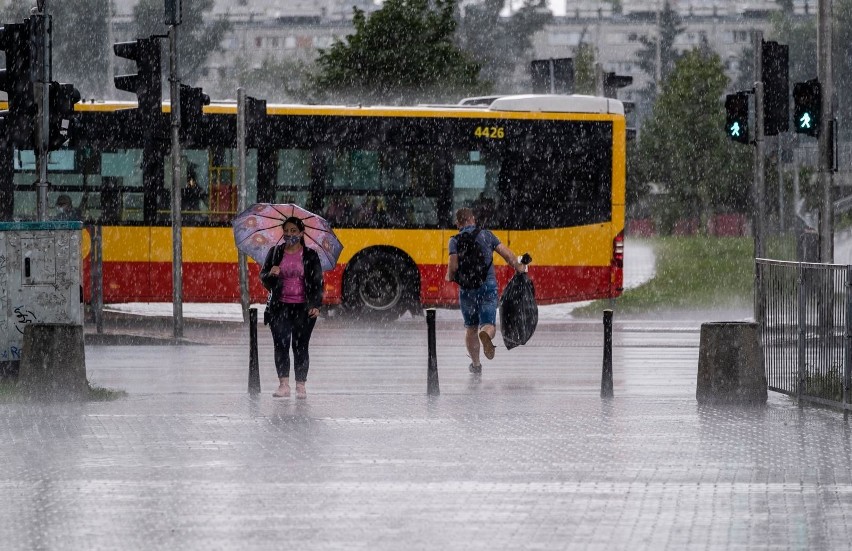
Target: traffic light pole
<point x="242" y="261"/>
<point x="826" y="220"/>
<point x="759" y="144"/>
<point x="599" y="80"/>
<point x="41" y="87"/>
<point x="177" y="241"/>
<point x="759" y="183"/>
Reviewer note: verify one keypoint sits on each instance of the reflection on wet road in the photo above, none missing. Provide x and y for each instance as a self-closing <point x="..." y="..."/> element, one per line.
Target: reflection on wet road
<point x="527" y="457"/>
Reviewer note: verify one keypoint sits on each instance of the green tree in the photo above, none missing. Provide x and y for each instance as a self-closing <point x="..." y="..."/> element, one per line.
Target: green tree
<point x="637" y="187"/>
<point x="682" y="145"/>
<point x="800" y="36"/>
<point x="671" y="25"/>
<point x="276" y="80"/>
<point x="198" y="37"/>
<point x="14" y="12"/>
<point x="842" y="61"/>
<point x="584" y="69"/>
<point x="80" y="41"/>
<point x="404" y="52"/>
<point x="81" y="47"/>
<point x="499" y="43"/>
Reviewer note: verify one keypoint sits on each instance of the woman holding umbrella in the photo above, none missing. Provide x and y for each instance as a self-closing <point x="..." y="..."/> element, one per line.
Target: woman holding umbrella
<point x="292" y="273"/>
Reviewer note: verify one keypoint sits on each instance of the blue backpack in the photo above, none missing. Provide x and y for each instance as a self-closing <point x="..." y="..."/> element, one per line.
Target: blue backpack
<point x="473" y="264"/>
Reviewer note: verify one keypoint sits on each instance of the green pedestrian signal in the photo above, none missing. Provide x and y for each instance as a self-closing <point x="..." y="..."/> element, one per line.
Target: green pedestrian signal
<point x="736" y="116"/>
<point x="736" y="130"/>
<point x="807" y="100"/>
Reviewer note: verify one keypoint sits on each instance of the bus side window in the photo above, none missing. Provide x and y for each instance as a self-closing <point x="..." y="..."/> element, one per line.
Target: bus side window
<point x="518" y="202"/>
<point x="293" y="177"/>
<point x="479" y="180"/>
<point x="112" y="201"/>
<point x="338" y="210"/>
<point x="372" y="213"/>
<point x="424" y="211"/>
<point x="468" y="184"/>
<point x="485" y="210"/>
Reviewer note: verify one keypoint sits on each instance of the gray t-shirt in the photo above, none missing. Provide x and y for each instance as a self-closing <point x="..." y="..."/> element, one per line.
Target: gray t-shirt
<point x="487" y="240"/>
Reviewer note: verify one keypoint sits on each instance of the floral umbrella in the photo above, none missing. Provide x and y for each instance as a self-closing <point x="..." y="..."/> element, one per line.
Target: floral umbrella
<point x="261" y="227"/>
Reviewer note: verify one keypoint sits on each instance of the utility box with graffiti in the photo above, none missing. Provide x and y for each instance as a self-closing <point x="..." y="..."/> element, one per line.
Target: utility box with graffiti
<point x="39" y="281"/>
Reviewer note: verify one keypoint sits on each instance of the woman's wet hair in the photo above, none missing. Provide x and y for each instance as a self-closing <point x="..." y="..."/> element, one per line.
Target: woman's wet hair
<point x="296" y="221"/>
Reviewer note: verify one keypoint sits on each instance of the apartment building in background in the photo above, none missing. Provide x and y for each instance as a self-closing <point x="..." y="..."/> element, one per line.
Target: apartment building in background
<point x="296" y="29"/>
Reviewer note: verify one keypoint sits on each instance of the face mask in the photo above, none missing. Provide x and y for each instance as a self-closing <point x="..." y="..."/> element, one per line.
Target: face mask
<point x="291" y="240"/>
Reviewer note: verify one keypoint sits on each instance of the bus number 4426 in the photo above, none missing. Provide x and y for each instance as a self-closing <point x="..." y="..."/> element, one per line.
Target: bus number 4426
<point x="493" y="132"/>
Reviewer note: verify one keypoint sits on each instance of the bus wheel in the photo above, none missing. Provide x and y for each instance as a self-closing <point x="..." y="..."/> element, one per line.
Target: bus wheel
<point x="378" y="286"/>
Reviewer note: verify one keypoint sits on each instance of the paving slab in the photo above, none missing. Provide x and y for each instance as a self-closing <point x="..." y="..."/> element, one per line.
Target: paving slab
<point x="526" y="457"/>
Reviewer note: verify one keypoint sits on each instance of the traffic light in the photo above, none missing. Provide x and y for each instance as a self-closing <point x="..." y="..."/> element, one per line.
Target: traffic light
<point x="174" y="10"/>
<point x="256" y="125"/>
<point x="16" y="81"/>
<point x="736" y="116"/>
<point x="147" y="119"/>
<point x="612" y="82"/>
<point x="63" y="97"/>
<point x="776" y="88"/>
<point x="192" y="101"/>
<point x="807" y="110"/>
<point x="552" y="76"/>
<point x="147" y="82"/>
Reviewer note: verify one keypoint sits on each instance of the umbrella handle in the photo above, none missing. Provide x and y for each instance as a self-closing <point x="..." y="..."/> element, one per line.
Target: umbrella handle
<point x="526" y="258"/>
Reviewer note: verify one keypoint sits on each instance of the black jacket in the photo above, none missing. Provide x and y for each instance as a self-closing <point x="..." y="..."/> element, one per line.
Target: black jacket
<point x="313" y="277"/>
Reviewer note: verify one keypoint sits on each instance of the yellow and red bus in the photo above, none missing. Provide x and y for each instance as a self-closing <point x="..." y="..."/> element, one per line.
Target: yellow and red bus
<point x="545" y="173"/>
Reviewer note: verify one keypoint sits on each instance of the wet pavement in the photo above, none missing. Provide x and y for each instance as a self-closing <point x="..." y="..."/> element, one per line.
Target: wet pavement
<point x="527" y="457"/>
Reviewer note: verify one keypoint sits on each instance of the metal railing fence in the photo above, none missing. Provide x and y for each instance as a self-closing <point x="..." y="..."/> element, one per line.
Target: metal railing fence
<point x="805" y="315"/>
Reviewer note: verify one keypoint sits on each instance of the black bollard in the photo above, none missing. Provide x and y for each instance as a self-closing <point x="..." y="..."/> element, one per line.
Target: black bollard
<point x="606" y="376"/>
<point x="432" y="387"/>
<point x="254" y="370"/>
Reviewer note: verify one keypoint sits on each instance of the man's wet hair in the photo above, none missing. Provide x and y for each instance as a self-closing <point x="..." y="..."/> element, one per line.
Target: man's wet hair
<point x="463" y="215"/>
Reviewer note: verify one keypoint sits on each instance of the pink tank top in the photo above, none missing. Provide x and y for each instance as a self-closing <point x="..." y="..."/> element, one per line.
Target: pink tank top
<point x="292" y="275"/>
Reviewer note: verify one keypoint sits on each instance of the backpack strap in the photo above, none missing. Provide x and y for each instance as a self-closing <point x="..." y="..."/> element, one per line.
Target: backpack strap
<point x="474" y="232"/>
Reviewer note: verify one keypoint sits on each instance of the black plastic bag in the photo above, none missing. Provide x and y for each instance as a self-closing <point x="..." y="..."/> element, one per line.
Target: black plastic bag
<point x="518" y="311"/>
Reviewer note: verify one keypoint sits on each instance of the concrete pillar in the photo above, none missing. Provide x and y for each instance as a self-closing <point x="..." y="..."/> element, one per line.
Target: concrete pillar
<point x="53" y="363"/>
<point x="730" y="364"/>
